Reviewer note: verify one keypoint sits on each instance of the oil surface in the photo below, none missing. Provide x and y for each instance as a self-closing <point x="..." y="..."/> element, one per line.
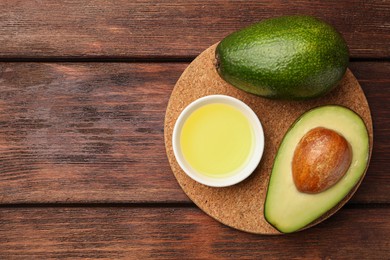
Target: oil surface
<point x="216" y="140"/>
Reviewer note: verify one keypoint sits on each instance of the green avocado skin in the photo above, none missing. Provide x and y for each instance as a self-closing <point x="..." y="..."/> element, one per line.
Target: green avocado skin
<point x="288" y="57"/>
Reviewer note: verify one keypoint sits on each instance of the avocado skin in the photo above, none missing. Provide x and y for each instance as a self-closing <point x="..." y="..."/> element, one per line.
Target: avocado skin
<point x="289" y="57"/>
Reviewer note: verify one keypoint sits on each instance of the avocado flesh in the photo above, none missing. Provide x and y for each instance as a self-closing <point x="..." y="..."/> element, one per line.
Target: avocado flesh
<point x="289" y="57"/>
<point x="289" y="210"/>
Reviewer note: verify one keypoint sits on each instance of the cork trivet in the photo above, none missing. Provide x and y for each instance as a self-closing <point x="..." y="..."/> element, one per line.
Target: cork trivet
<point x="241" y="206"/>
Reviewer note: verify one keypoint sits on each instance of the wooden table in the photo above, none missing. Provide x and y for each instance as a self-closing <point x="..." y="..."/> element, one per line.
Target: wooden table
<point x="84" y="86"/>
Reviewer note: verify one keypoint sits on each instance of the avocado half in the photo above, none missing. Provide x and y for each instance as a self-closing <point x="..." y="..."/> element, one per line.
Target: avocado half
<point x="288" y="209"/>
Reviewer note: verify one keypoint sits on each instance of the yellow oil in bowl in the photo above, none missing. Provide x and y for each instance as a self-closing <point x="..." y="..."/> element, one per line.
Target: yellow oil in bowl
<point x="217" y="140"/>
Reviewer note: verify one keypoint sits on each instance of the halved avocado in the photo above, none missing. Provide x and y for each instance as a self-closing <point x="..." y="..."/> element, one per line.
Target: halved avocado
<point x="286" y="207"/>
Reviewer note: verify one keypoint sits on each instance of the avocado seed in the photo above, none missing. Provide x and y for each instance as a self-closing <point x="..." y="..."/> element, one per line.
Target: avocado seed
<point x="321" y="159"/>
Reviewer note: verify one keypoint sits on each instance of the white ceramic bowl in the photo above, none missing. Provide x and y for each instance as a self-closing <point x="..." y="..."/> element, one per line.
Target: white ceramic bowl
<point x="256" y="153"/>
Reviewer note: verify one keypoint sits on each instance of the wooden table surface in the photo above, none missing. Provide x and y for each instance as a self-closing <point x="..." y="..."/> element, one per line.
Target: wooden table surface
<point x="84" y="86"/>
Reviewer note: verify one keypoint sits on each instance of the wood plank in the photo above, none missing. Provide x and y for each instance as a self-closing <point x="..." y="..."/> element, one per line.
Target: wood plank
<point x="375" y="79"/>
<point x="93" y="132"/>
<point x="85" y="132"/>
<point x="123" y="29"/>
<point x="182" y="233"/>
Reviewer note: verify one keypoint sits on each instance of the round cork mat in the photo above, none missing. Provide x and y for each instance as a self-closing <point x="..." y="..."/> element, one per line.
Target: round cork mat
<point x="241" y="206"/>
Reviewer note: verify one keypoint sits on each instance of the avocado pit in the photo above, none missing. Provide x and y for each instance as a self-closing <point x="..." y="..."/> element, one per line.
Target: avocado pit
<point x="321" y="159"/>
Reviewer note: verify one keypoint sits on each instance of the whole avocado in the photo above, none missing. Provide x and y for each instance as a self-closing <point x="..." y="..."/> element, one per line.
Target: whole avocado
<point x="288" y="57"/>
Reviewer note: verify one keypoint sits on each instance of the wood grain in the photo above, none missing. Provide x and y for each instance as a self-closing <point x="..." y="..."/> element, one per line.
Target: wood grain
<point x="377" y="91"/>
<point x="166" y="29"/>
<point x="77" y="133"/>
<point x="182" y="233"/>
<point x="85" y="132"/>
<point x="93" y="132"/>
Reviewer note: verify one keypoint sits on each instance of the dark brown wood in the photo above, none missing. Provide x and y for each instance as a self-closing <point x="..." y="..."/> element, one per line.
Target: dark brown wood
<point x="93" y="132"/>
<point x="41" y="29"/>
<point x="377" y="91"/>
<point x="85" y="132"/>
<point x="77" y="133"/>
<point x="182" y="233"/>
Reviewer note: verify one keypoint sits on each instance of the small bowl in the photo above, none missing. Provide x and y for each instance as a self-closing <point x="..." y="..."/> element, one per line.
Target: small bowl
<point x="257" y="147"/>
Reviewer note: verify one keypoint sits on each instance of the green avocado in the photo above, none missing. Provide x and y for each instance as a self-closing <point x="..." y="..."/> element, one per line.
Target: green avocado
<point x="286" y="207"/>
<point x="288" y="57"/>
